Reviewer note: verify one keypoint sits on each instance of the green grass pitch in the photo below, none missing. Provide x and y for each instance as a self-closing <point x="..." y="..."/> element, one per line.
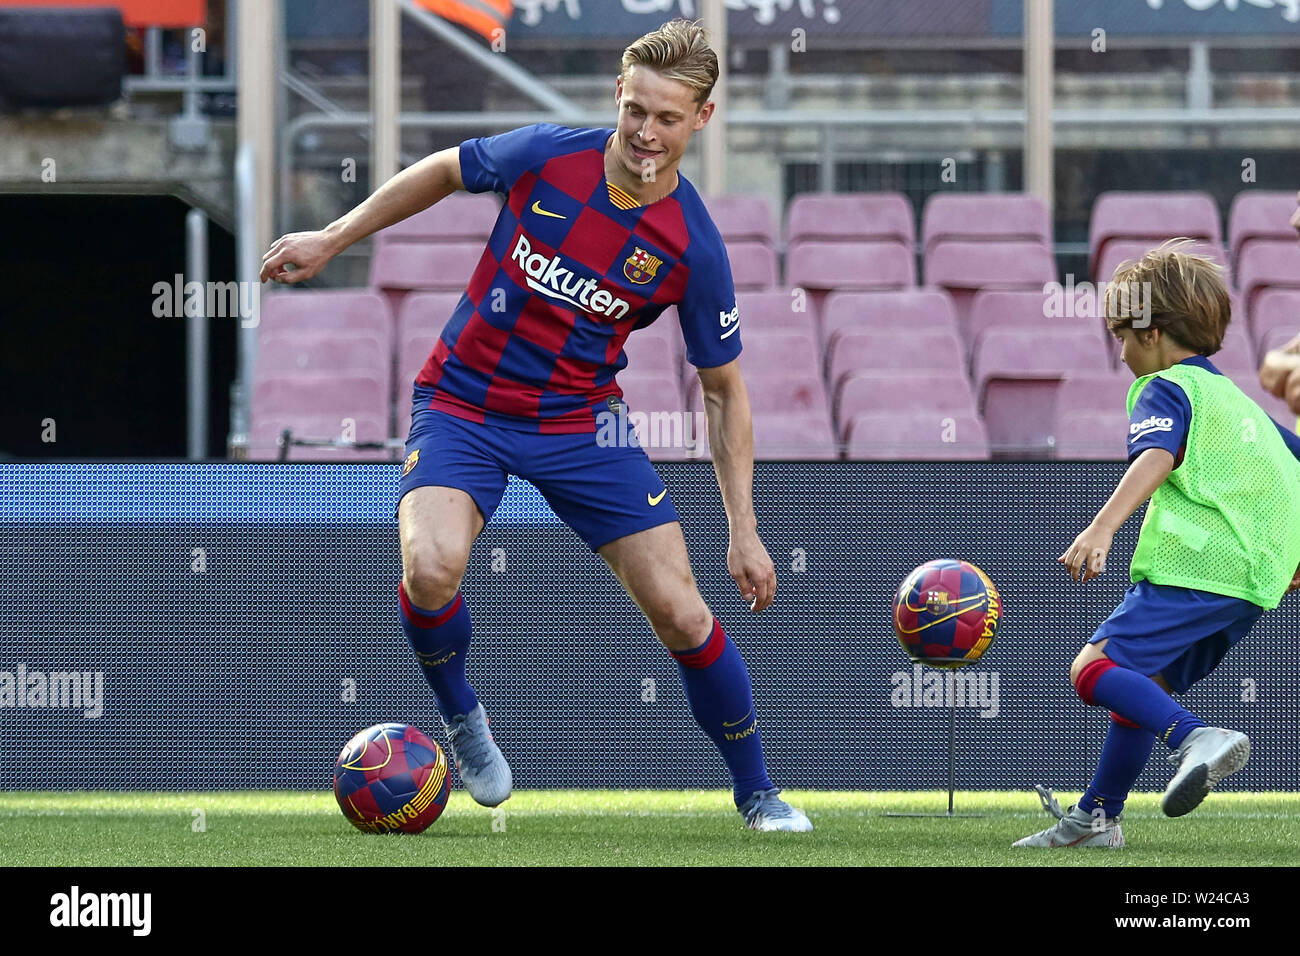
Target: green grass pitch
<point x="622" y="827"/>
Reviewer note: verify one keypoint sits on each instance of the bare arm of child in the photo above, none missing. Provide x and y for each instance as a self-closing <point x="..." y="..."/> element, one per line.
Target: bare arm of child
<point x="1086" y="557"/>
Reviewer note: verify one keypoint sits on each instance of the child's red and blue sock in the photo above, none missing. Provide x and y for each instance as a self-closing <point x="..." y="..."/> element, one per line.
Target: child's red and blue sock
<point x="440" y="640"/>
<point x="1126" y="751"/>
<point x="722" y="700"/>
<point x="1103" y="683"/>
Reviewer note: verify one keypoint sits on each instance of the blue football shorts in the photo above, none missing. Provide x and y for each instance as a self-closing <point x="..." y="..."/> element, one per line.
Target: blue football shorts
<point x="1180" y="633"/>
<point x="603" y="491"/>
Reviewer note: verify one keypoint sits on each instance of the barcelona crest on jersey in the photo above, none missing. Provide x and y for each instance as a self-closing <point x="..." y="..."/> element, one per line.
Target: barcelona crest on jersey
<point x="640" y="266"/>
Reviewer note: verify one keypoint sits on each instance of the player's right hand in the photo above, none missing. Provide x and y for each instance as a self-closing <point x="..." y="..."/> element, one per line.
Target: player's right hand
<point x="296" y="257"/>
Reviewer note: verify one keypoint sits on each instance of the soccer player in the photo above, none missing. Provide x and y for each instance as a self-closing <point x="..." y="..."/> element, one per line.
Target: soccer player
<point x="1275" y="372"/>
<point x="1220" y="543"/>
<point x="599" y="234"/>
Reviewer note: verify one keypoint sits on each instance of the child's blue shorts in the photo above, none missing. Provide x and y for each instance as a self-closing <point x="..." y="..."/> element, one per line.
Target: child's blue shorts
<point x="602" y="491"/>
<point x="1178" y="632"/>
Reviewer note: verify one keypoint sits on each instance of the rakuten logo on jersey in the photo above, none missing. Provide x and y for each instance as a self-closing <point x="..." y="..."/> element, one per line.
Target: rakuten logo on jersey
<point x="730" y="322"/>
<point x="548" y="277"/>
<point x="1149" y="425"/>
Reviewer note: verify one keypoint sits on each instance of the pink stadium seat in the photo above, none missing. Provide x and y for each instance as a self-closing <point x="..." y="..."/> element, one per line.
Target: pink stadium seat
<point x="426" y="313"/>
<point x="1027" y="310"/>
<point x="1094" y="391"/>
<point x="1091" y="434"/>
<point x="1002" y="217"/>
<point x="1276" y="310"/>
<point x="850" y="266"/>
<point x="861" y="393"/>
<point x="904" y="353"/>
<point x="460" y="217"/>
<point x="651" y="355"/>
<point x="1151" y="215"/>
<point x="1259" y="214"/>
<point x="413" y="350"/>
<point x="357" y="310"/>
<point x="401" y="267"/>
<point x="669" y="428"/>
<point x="794" y="435"/>
<point x="319" y="406"/>
<point x="793" y="310"/>
<point x="926" y="436"/>
<point x="322" y="350"/>
<point x="753" y="266"/>
<point x="667" y="329"/>
<point x="742" y="219"/>
<point x="1118" y="251"/>
<point x="851" y="217"/>
<point x="910" y="310"/>
<point x="964" y="268"/>
<point x="1237" y="352"/>
<point x="1016" y="374"/>
<point x="1264" y="264"/>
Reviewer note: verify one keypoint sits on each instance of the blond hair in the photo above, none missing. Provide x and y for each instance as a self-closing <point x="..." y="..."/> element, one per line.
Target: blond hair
<point x="678" y="50"/>
<point x="1180" y="293"/>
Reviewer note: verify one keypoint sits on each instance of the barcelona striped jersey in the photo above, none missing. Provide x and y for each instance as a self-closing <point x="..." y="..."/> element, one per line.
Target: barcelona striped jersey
<point x="573" y="266"/>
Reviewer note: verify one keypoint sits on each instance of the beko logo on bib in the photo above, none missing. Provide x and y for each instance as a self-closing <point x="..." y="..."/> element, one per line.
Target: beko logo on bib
<point x="1149" y="425"/>
<point x="548" y="277"/>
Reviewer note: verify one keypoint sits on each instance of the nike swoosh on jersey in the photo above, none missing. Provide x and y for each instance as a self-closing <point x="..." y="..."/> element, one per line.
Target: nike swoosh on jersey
<point x="655" y="499"/>
<point x="537" y="208"/>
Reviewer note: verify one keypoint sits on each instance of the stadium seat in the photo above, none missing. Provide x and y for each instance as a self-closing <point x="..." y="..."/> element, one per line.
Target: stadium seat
<point x="1155" y="216"/>
<point x="1276" y="310"/>
<point x="669" y="425"/>
<point x="1017" y="373"/>
<point x="753" y="266"/>
<point x="356" y="310"/>
<point x="1090" y="434"/>
<point x="1259" y="214"/>
<point x="667" y="328"/>
<point x="651" y="354"/>
<point x="334" y="351"/>
<point x="850" y="217"/>
<point x="782" y="372"/>
<point x="1118" y="251"/>
<point x="426" y="313"/>
<point x="742" y="219"/>
<point x="794" y="435"/>
<point x="1237" y="352"/>
<point x="1264" y="264"/>
<point x="866" y="392"/>
<point x="1001" y="217"/>
<point x="460" y="217"/>
<point x="906" y="311"/>
<point x="964" y="268"/>
<point x="926" y="436"/>
<point x="991" y="309"/>
<point x="895" y="352"/>
<point x="822" y="267"/>
<point x="1094" y="391"/>
<point x="778" y="309"/>
<point x="317" y="405"/>
<point x="398" y="268"/>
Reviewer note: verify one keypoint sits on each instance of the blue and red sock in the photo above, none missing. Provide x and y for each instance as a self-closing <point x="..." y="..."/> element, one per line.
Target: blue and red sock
<point x="722" y="700"/>
<point x="1103" y="683"/>
<point x="440" y="640"/>
<point x="1126" y="751"/>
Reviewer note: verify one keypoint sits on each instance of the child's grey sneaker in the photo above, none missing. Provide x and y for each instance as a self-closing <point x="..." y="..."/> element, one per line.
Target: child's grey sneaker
<point x="1077" y="828"/>
<point x="1207" y="756"/>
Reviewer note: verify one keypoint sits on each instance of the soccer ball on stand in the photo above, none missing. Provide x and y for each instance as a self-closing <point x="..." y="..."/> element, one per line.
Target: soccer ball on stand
<point x="946" y="613"/>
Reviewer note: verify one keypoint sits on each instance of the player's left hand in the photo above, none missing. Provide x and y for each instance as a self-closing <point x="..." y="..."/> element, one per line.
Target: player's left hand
<point x="1086" y="558"/>
<point x="1295" y="581"/>
<point x="751" y="568"/>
